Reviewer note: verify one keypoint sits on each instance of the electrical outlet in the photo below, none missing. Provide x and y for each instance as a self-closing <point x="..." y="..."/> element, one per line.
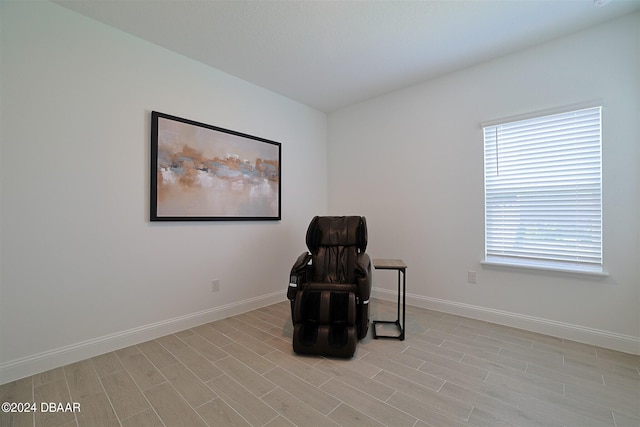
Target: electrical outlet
<point x="471" y="277"/>
<point x="215" y="285"/>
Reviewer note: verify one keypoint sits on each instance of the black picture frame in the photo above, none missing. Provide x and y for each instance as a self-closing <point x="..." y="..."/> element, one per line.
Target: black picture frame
<point x="201" y="172"/>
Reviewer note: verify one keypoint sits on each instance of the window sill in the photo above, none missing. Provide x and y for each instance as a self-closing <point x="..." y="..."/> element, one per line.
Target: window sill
<point x="543" y="266"/>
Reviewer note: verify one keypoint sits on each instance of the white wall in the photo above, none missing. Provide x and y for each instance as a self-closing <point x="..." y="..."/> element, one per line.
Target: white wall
<point x="83" y="271"/>
<point x="412" y="162"/>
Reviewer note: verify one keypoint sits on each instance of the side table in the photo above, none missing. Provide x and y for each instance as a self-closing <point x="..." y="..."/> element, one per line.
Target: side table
<point x="393" y="264"/>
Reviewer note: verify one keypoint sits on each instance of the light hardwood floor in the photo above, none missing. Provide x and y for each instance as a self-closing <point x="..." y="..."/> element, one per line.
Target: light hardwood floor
<point x="240" y="371"/>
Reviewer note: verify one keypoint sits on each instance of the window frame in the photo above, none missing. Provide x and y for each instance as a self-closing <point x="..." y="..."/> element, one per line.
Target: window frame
<point x="491" y="259"/>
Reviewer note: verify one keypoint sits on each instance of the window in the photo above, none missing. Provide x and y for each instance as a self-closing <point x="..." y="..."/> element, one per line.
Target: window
<point x="543" y="192"/>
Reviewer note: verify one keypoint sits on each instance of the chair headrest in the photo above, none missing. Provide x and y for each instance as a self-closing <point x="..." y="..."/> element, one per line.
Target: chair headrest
<point x="337" y="231"/>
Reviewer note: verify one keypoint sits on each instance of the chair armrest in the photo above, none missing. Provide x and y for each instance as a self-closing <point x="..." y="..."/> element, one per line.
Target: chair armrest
<point x="298" y="275"/>
<point x="300" y="266"/>
<point x="364" y="280"/>
<point x="363" y="275"/>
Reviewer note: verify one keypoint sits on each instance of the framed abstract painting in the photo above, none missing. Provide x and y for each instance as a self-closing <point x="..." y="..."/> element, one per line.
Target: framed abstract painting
<point x="201" y="172"/>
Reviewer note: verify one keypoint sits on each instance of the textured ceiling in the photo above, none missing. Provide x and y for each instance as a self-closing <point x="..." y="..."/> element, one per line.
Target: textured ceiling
<point x="330" y="54"/>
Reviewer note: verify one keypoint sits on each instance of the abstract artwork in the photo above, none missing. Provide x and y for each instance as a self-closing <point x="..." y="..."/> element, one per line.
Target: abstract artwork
<point x="202" y="172"/>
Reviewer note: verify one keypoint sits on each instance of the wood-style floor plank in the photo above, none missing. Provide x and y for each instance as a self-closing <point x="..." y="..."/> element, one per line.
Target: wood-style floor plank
<point x="125" y="396"/>
<point x="172" y="408"/>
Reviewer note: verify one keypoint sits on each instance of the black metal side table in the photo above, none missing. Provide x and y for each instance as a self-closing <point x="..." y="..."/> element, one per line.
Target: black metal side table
<point x="393" y="264"/>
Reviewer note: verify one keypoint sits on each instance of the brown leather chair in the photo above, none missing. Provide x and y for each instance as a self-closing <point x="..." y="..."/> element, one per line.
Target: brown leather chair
<point x="329" y="287"/>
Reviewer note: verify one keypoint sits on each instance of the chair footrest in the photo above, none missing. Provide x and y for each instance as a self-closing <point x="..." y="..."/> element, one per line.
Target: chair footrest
<point x="328" y="340"/>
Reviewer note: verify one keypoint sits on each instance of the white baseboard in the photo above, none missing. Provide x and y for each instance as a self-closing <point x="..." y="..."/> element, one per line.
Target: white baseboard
<point x="30" y="365"/>
<point x="597" y="337"/>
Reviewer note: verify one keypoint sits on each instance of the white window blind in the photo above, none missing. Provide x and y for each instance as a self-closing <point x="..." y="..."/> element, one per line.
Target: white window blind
<point x="543" y="191"/>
